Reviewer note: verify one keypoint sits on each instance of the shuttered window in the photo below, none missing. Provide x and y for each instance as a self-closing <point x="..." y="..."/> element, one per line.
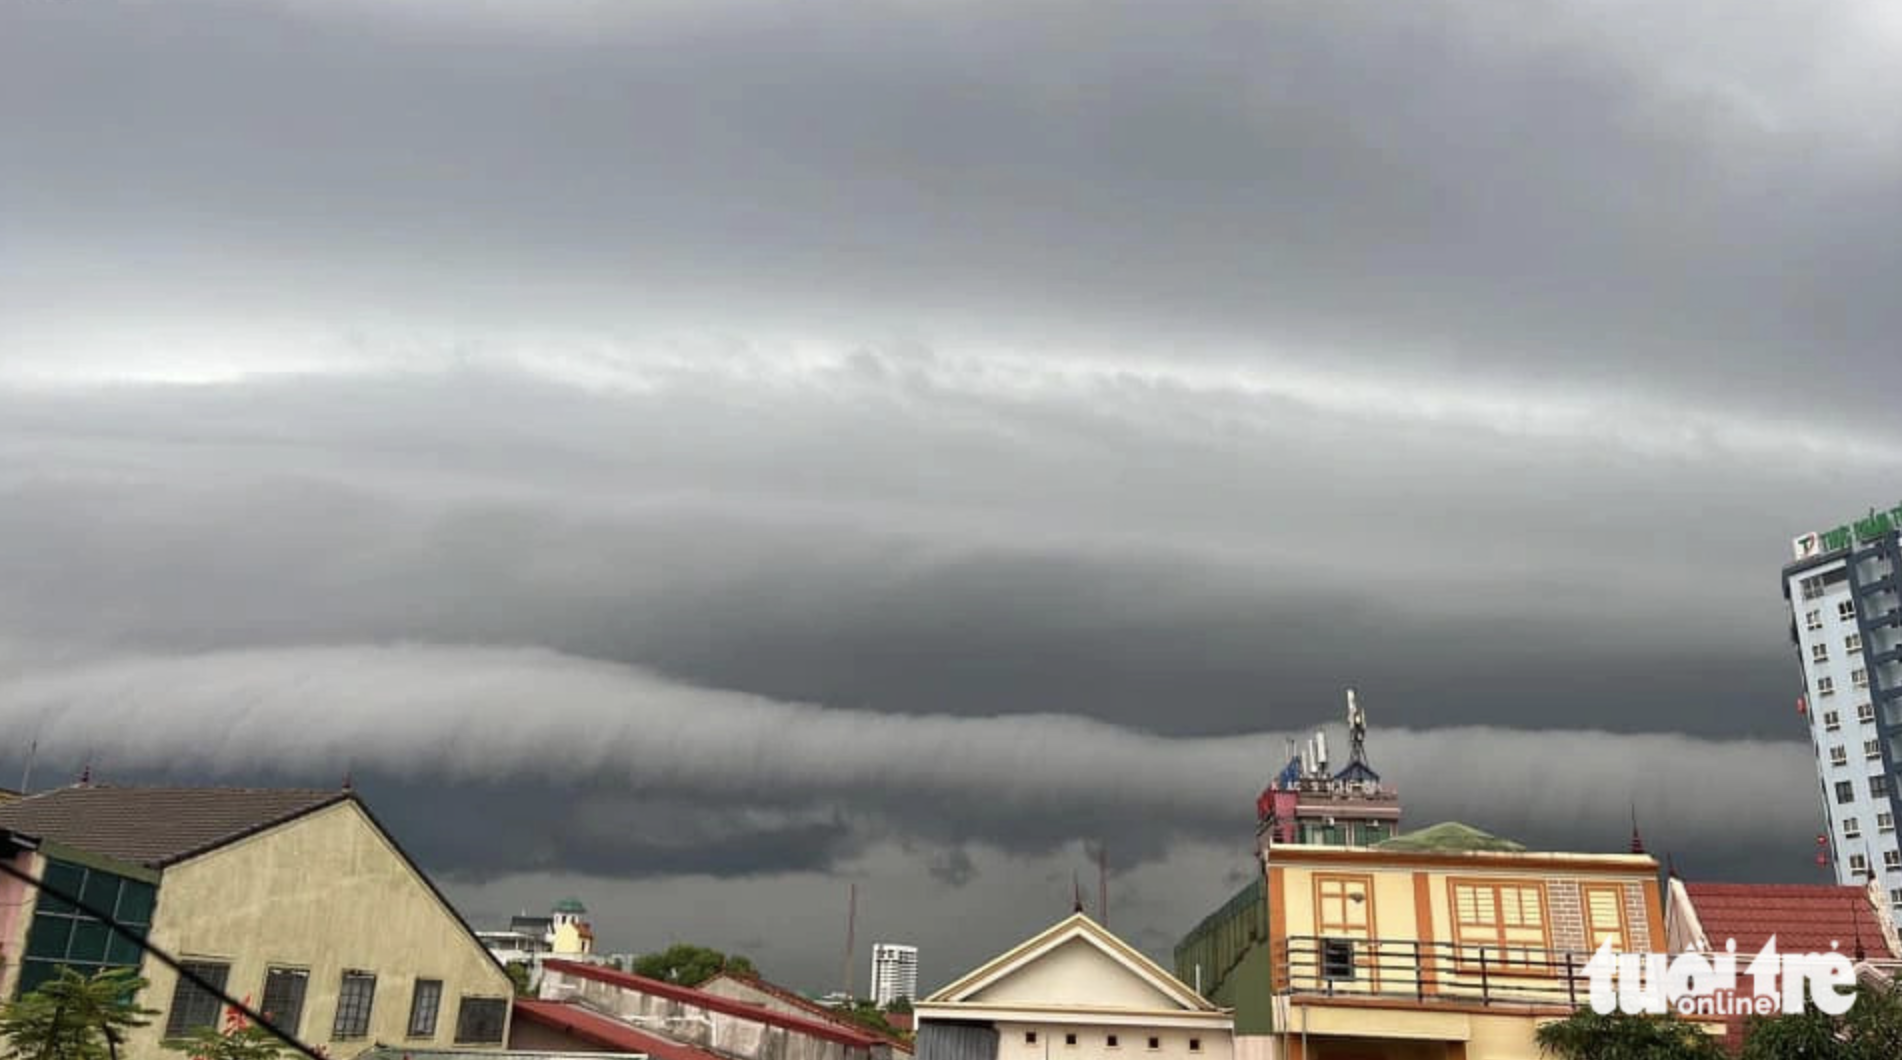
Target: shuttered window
<point x="1504" y="922"/>
<point x="1604" y="915"/>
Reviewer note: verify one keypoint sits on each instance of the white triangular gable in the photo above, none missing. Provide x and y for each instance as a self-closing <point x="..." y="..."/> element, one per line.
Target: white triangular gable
<point x="1075" y="963"/>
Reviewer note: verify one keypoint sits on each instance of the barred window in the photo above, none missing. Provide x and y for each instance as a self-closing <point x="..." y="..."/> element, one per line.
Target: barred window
<point x="423" y="1006"/>
<point x="194" y="1008"/>
<point x="284" y="997"/>
<point x="355" y="997"/>
<point x="481" y="1019"/>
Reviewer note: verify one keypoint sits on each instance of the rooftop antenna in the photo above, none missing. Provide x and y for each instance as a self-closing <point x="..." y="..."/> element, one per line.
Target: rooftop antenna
<point x="1320" y="751"/>
<point x="1356" y="731"/>
<point x="1102" y="884"/>
<point x="1076" y="893"/>
<point x="1637" y="841"/>
<point x="26" y="775"/>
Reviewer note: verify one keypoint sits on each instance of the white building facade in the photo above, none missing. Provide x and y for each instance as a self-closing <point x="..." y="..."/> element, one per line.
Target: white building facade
<point x="894" y="973"/>
<point x="1846" y="623"/>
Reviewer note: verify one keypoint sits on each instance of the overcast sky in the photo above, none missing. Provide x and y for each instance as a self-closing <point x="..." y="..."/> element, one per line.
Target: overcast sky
<point x="692" y="455"/>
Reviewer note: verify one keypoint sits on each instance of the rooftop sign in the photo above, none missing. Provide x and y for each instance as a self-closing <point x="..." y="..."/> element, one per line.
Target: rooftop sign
<point x="1868" y="528"/>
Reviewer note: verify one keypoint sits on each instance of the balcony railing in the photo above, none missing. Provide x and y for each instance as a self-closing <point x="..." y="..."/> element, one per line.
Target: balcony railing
<point x="1429" y="972"/>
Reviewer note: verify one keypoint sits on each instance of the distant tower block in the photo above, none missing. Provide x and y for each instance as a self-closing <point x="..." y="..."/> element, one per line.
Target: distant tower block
<point x="1307" y="804"/>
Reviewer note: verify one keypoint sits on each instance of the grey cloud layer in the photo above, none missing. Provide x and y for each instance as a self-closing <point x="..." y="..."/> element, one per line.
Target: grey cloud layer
<point x="1587" y="194"/>
<point x="632" y="742"/>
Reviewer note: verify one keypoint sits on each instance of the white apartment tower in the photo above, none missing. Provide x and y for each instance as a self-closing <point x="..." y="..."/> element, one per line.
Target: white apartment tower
<point x="894" y="973"/>
<point x="1846" y="623"/>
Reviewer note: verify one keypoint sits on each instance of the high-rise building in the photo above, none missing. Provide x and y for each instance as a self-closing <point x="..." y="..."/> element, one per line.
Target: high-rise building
<point x="1846" y="623"/>
<point x="894" y="973"/>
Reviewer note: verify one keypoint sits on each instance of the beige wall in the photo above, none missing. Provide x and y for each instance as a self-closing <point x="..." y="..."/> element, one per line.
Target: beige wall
<point x="323" y="893"/>
<point x="1075" y="973"/>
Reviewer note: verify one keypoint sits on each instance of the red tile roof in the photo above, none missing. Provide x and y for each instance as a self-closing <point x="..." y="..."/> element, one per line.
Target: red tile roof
<point x="817" y="1028"/>
<point x="1805" y="918"/>
<point x="596" y="1029"/>
<point x="806" y="1004"/>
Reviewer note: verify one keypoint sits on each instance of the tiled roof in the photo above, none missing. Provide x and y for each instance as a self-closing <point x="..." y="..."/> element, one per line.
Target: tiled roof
<point x="806" y="1004"/>
<point x="157" y="827"/>
<point x="1805" y="918"/>
<point x="597" y="1029"/>
<point x="640" y="984"/>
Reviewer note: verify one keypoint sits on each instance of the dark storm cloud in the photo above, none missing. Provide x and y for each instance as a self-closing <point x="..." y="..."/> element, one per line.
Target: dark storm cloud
<point x="1031" y="409"/>
<point x="1576" y="194"/>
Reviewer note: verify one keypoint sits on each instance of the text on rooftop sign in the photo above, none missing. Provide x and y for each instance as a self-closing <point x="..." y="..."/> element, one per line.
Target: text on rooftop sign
<point x="1868" y="528"/>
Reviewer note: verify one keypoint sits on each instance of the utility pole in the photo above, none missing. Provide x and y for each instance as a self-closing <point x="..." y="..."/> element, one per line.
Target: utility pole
<point x="1102" y="884"/>
<point x="851" y="937"/>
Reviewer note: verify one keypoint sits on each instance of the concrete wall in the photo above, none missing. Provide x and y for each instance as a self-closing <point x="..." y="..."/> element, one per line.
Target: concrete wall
<point x="323" y="893"/>
<point x="734" y="1035"/>
<point x="1075" y="973"/>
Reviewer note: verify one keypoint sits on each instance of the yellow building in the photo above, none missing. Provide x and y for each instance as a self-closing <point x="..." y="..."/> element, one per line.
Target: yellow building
<point x="1072" y="992"/>
<point x="1441" y="949"/>
<point x="296" y="900"/>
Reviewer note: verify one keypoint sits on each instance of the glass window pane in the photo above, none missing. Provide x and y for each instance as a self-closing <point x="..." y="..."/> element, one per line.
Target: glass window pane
<point x="135" y="902"/>
<point x="50" y="937"/>
<point x="101" y="891"/>
<point x="89" y="942"/>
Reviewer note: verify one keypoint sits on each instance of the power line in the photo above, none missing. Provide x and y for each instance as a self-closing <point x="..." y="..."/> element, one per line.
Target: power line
<point x="9" y="843"/>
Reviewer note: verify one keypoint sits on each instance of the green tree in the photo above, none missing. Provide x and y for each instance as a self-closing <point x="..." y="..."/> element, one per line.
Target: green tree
<point x="1586" y="1035"/>
<point x="74" y="1017"/>
<point x="900" y="1004"/>
<point x="690" y="965"/>
<point x="1870" y="1030"/>
<point x="867" y="1015"/>
<point x="518" y="974"/>
<point x="238" y="1039"/>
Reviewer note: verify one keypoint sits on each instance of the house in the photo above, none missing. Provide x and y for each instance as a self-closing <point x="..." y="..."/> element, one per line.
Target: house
<point x="736" y="1030"/>
<point x="564" y="1027"/>
<point x="756" y="991"/>
<point x="1803" y="918"/>
<point x="1448" y="943"/>
<point x="1072" y="992"/>
<point x="296" y="899"/>
<point x="528" y="940"/>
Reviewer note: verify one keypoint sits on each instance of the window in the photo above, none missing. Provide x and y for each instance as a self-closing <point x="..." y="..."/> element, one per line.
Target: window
<point x="1865" y="712"/>
<point x="1845" y="792"/>
<point x="59" y="935"/>
<point x="1832" y="720"/>
<point x="1344" y="912"/>
<point x="284" y="997"/>
<point x="1819" y="652"/>
<point x="1812" y="620"/>
<point x="1155" y="1043"/>
<point x="1337" y="959"/>
<point x="1885" y="822"/>
<point x="1504" y="922"/>
<point x="1195" y="1045"/>
<point x="1852" y="828"/>
<point x="1825" y="686"/>
<point x="1892" y="860"/>
<point x="193" y="1008"/>
<point x="482" y="1019"/>
<point x="1872" y="749"/>
<point x="423" y="1006"/>
<point x="1111" y="1041"/>
<point x="1846" y="610"/>
<point x="1604" y="915"/>
<point x="1838" y="756"/>
<point x="1879" y="786"/>
<point x="1853" y="644"/>
<point x="1859" y="677"/>
<point x="1811" y="588"/>
<point x="355" y="996"/>
<point x="1858" y="863"/>
<point x="1030" y="1037"/>
<point x="1895" y="895"/>
<point x="1069" y="1039"/>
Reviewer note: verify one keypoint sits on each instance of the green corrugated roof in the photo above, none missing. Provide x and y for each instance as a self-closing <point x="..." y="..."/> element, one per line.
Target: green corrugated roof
<point x="1448" y="837"/>
<point x="570" y="905"/>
